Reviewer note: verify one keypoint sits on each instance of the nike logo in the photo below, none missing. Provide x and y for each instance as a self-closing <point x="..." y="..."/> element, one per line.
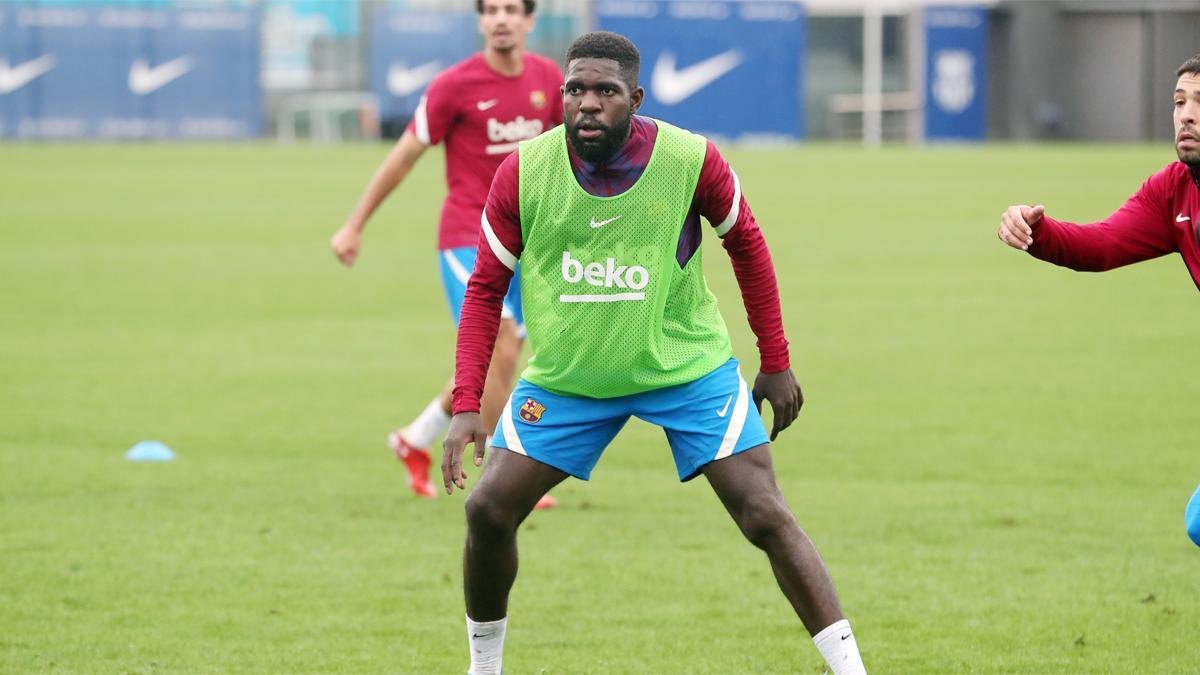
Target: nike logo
<point x="477" y="635"/>
<point x="487" y="105"/>
<point x="670" y="86"/>
<point x="143" y="79"/>
<point x="402" y="81"/>
<point x="722" y="411"/>
<point x="602" y="223"/>
<point x="12" y="79"/>
<point x="847" y="635"/>
<point x="1180" y="218"/>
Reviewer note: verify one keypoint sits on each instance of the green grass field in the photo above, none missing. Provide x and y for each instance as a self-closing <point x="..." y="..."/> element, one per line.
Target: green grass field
<point x="994" y="456"/>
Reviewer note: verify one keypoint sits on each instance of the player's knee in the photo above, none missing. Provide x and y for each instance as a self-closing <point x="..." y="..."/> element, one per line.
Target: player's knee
<point x="487" y="518"/>
<point x="765" y="519"/>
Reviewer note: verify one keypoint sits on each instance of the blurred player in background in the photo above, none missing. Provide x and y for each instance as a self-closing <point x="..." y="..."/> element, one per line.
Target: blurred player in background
<point x="1163" y="217"/>
<point x="605" y="218"/>
<point x="481" y="107"/>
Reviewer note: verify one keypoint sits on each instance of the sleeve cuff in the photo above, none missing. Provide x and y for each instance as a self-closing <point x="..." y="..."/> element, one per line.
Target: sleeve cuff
<point x="462" y="403"/>
<point x="774" y="359"/>
<point x="1041" y="227"/>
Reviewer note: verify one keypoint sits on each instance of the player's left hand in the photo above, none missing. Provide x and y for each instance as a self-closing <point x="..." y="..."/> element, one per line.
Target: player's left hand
<point x="783" y="391"/>
<point x="465" y="427"/>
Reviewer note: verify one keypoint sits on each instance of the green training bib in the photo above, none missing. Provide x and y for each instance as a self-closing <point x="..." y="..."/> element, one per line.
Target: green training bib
<point x="608" y="309"/>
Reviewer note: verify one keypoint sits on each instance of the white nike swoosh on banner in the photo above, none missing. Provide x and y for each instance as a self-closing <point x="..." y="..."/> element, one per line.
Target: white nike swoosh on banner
<point x="12" y="79"/>
<point x="402" y="80"/>
<point x="602" y="223"/>
<point x="486" y="105"/>
<point x="143" y="79"/>
<point x="1180" y="218"/>
<point x="670" y="86"/>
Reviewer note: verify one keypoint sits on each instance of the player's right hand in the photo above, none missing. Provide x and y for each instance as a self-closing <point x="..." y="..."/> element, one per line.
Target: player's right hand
<point x="465" y="427"/>
<point x="1017" y="223"/>
<point x="345" y="244"/>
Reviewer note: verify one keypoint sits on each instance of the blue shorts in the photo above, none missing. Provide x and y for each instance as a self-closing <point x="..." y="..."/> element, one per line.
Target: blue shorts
<point x="457" y="265"/>
<point x="705" y="420"/>
<point x="1192" y="517"/>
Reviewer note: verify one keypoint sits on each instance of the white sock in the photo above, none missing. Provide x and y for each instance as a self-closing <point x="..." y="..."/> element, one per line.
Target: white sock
<point x="837" y="644"/>
<point x="427" y="427"/>
<point x="487" y="646"/>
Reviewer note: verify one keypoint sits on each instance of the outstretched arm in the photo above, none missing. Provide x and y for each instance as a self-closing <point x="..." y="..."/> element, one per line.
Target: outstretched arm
<point x="495" y="261"/>
<point x="1137" y="231"/>
<point x="719" y="199"/>
<point x="477" y="328"/>
<point x="348" y="239"/>
<point x="755" y="274"/>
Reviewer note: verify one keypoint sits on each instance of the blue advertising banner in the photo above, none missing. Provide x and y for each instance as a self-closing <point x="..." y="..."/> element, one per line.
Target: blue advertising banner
<point x="409" y="48"/>
<point x="725" y="68"/>
<point x="122" y="72"/>
<point x="956" y="73"/>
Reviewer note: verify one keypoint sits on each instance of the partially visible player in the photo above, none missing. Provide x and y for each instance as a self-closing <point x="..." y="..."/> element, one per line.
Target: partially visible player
<point x="1191" y="516"/>
<point x="605" y="217"/>
<point x="1162" y="217"/>
<point x="481" y="108"/>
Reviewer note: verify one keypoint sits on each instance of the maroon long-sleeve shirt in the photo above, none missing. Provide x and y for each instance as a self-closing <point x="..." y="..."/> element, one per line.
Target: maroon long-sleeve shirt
<point x="718" y="198"/>
<point x="1160" y="218"/>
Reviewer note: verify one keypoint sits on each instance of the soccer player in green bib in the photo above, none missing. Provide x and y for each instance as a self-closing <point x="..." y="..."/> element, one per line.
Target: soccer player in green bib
<point x="604" y="215"/>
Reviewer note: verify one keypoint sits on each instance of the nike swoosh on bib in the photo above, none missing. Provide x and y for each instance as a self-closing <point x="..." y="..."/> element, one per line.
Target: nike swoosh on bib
<point x="402" y="81"/>
<point x="671" y="86"/>
<point x="143" y="79"/>
<point x="1180" y="218"/>
<point x="12" y="79"/>
<point x="602" y="223"/>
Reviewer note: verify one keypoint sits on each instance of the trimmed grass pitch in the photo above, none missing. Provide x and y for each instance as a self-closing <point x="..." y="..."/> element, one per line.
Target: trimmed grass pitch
<point x="994" y="457"/>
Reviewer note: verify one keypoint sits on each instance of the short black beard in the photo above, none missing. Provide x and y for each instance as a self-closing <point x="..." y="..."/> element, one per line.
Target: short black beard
<point x="1189" y="157"/>
<point x="604" y="147"/>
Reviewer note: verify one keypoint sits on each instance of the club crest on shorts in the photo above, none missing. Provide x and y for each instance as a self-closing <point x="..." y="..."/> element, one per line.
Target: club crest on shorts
<point x="537" y="99"/>
<point x="531" y="411"/>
